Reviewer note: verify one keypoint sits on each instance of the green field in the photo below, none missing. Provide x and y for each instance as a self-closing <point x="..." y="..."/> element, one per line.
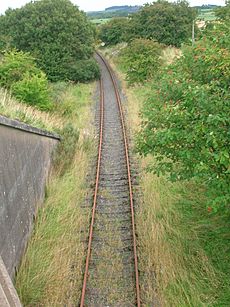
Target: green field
<point x="100" y="21"/>
<point x="206" y="14"/>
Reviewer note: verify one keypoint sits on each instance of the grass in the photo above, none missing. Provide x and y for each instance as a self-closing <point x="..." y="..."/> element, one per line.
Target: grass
<point x="51" y="270"/>
<point x="100" y="21"/>
<point x="11" y="108"/>
<point x="183" y="248"/>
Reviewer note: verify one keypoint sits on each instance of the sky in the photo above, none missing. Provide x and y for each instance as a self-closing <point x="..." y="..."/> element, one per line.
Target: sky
<point x="95" y="5"/>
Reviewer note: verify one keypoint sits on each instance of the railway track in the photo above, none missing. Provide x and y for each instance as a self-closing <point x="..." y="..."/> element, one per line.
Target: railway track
<point x="111" y="268"/>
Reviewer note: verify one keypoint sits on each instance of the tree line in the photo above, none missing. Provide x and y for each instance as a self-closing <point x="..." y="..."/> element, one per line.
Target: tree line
<point x="166" y="22"/>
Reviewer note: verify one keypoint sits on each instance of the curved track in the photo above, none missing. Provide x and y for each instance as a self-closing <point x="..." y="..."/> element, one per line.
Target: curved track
<point x="111" y="269"/>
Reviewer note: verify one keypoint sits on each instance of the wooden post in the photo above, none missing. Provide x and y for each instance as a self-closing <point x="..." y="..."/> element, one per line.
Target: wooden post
<point x="193" y="32"/>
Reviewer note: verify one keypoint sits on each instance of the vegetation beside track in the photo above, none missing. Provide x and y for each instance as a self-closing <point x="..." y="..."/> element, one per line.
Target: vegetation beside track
<point x="183" y="244"/>
<point x="183" y="247"/>
<point x="55" y="253"/>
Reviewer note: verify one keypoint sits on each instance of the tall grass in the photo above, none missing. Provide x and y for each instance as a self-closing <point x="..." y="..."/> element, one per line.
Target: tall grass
<point x="51" y="270"/>
<point x="13" y="109"/>
<point x="183" y="248"/>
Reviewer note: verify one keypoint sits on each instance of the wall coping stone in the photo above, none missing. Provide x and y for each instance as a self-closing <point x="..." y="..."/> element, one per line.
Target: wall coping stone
<point x="8" y="294"/>
<point x="12" y="123"/>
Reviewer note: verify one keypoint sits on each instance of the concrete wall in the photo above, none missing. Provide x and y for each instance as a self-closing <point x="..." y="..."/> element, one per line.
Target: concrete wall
<point x="25" y="156"/>
<point x="8" y="294"/>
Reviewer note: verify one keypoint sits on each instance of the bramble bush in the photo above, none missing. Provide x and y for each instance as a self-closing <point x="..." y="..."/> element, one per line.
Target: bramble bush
<point x="140" y="59"/>
<point x="186" y="119"/>
<point x="24" y="79"/>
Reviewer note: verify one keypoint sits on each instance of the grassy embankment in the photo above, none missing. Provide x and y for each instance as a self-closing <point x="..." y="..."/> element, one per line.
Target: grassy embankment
<point x="183" y="248"/>
<point x="50" y="273"/>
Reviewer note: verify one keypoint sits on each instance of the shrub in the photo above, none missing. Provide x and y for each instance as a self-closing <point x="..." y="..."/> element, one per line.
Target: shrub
<point x="27" y="83"/>
<point x="84" y="71"/>
<point x="141" y="60"/>
<point x="14" y="65"/>
<point x="114" y="31"/>
<point x="66" y="148"/>
<point x="33" y="89"/>
<point x="186" y="122"/>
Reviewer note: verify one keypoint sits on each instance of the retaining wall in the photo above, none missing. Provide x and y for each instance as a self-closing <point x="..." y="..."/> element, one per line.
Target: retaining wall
<point x="25" y="157"/>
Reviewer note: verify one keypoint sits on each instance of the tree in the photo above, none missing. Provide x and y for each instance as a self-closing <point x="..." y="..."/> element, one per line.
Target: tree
<point x="168" y="23"/>
<point x="56" y="33"/>
<point x="114" y="31"/>
<point x="141" y="59"/>
<point x="186" y="119"/>
<point x="224" y="12"/>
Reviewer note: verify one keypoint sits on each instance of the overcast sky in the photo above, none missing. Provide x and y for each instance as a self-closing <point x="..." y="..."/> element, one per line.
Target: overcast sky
<point x="96" y="5"/>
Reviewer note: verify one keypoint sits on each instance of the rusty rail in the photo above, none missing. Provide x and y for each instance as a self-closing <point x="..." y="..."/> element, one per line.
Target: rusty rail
<point x="118" y="98"/>
<point x="95" y="194"/>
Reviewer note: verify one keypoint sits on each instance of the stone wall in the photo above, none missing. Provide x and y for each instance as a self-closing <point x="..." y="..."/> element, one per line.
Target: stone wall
<point x="25" y="157"/>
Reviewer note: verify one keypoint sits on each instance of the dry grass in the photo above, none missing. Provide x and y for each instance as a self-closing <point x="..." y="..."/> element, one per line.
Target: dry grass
<point x="51" y="270"/>
<point x="169" y="55"/>
<point x="175" y="269"/>
<point x="11" y="108"/>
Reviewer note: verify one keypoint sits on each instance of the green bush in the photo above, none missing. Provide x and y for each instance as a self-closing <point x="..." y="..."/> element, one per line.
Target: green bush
<point x="186" y="120"/>
<point x="55" y="32"/>
<point x="114" y="31"/>
<point x="66" y="148"/>
<point x="84" y="71"/>
<point x="14" y="65"/>
<point x="141" y="60"/>
<point x="33" y="89"/>
<point x="168" y="23"/>
<point x="29" y="84"/>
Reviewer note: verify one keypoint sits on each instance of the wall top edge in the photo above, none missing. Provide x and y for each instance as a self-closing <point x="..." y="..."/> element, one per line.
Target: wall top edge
<point x="12" y="123"/>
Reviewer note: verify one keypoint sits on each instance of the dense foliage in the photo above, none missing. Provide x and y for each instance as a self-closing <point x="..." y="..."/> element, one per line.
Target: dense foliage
<point x="186" y="120"/>
<point x="57" y="34"/>
<point x="24" y="79"/>
<point x="224" y="12"/>
<point x="114" y="31"/>
<point x="141" y="59"/>
<point x="168" y="23"/>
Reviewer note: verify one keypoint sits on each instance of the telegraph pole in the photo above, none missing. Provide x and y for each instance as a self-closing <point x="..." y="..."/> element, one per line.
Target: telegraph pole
<point x="193" y="32"/>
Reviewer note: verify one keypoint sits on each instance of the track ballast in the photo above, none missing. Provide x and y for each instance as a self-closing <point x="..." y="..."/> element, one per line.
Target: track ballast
<point x="111" y="269"/>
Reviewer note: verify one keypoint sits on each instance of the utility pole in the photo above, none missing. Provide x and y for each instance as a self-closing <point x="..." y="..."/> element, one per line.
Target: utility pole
<point x="193" y="32"/>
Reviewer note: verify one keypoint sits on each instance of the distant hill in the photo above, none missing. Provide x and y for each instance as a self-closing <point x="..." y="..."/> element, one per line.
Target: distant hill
<point x="114" y="11"/>
<point x="123" y="8"/>
<point x="207" y="6"/>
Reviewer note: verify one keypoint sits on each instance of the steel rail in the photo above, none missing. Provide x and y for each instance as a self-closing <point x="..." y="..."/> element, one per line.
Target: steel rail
<point x="118" y="98"/>
<point x="95" y="194"/>
<point x="138" y="300"/>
